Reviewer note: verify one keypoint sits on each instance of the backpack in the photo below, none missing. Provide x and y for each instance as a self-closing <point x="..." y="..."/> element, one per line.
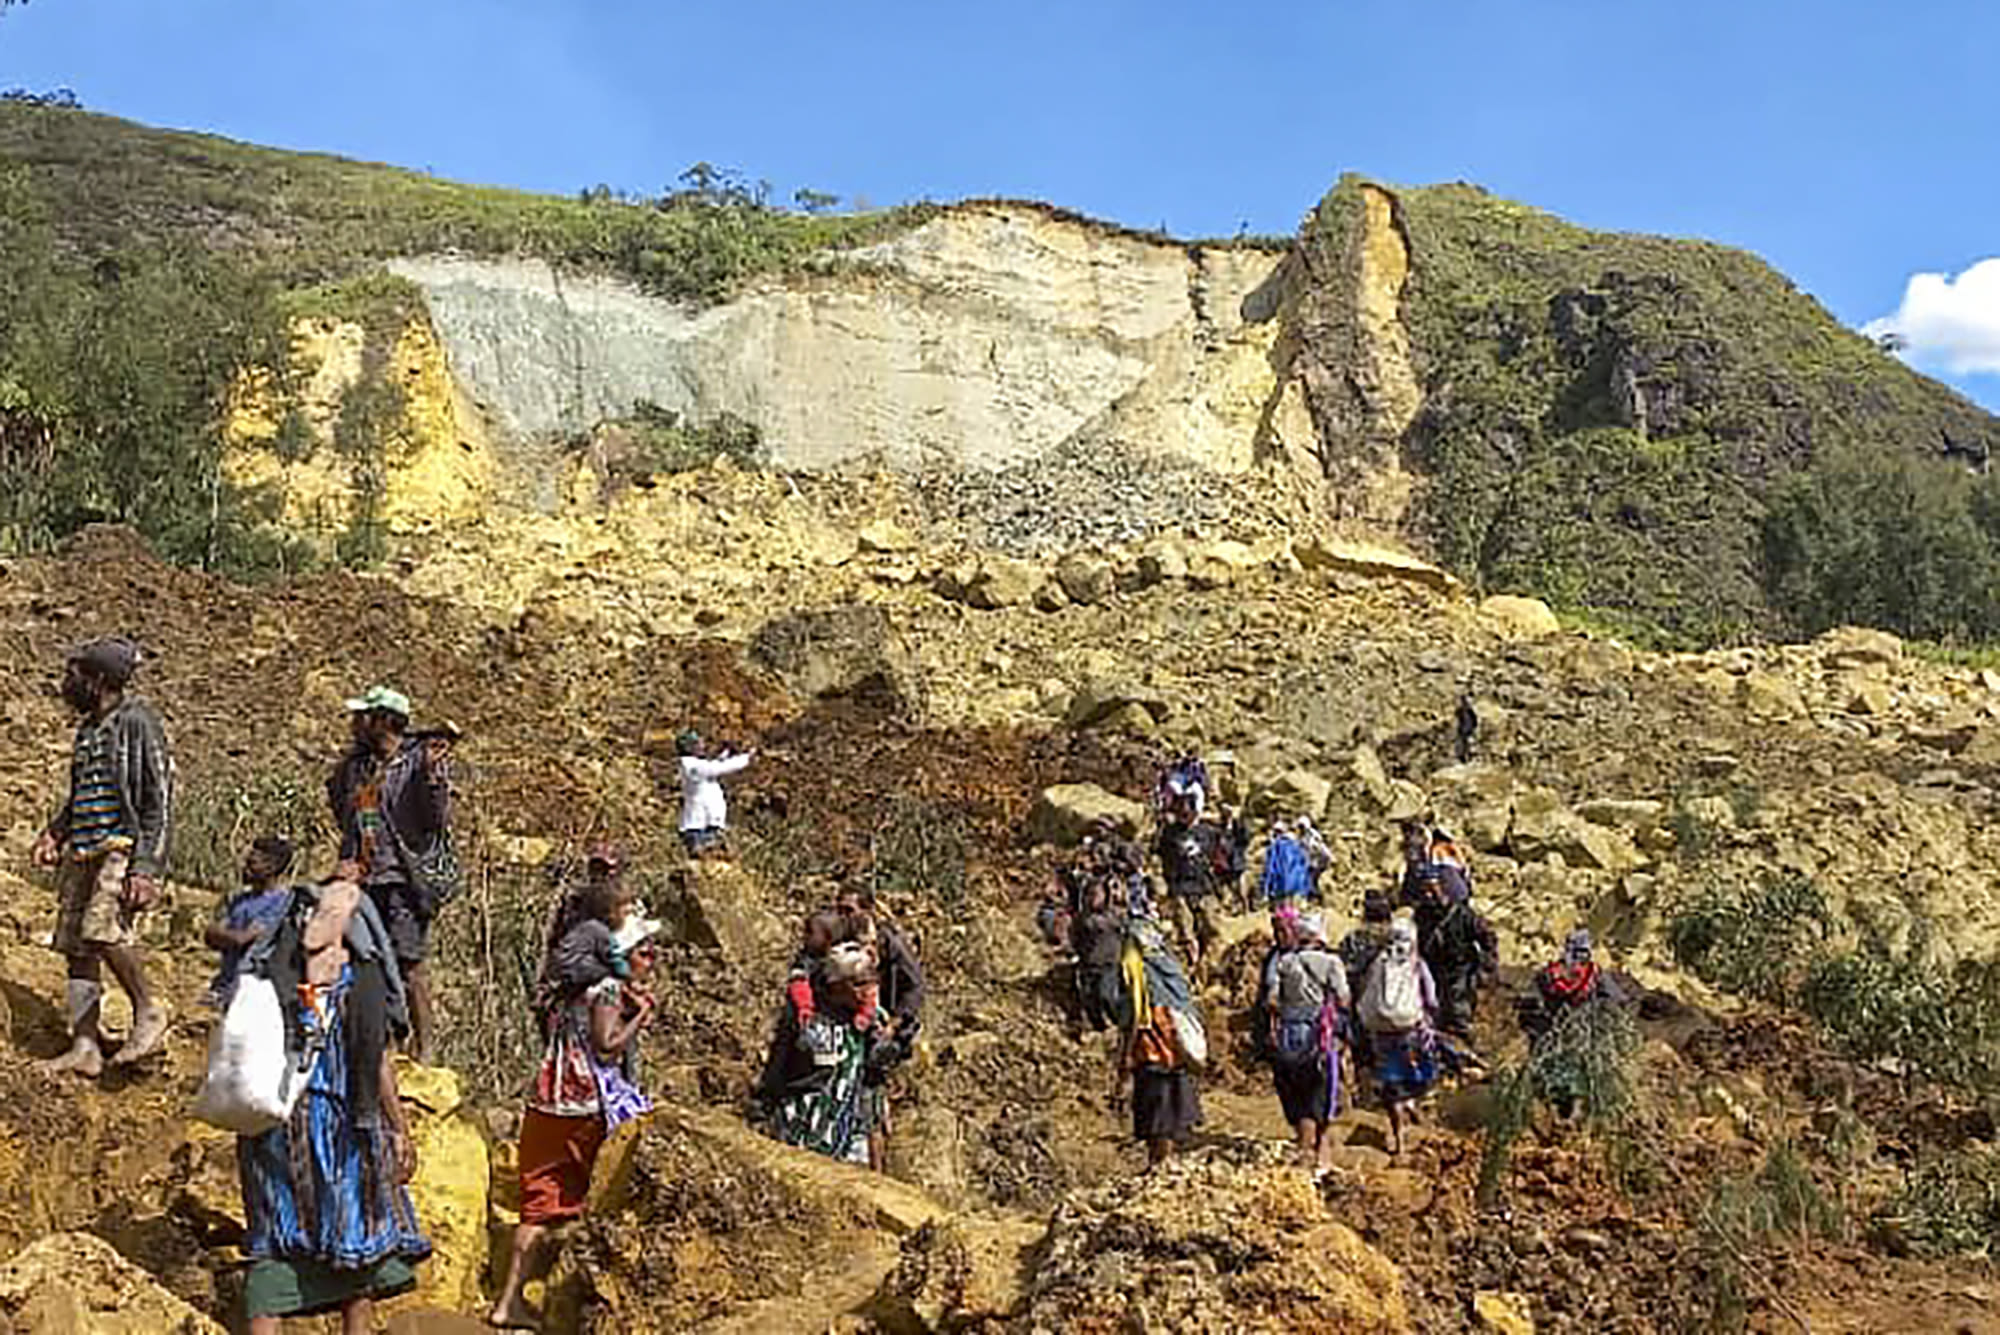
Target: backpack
<point x="1286" y="872"/>
<point x="1393" y="1000"/>
<point x="253" y="1082"/>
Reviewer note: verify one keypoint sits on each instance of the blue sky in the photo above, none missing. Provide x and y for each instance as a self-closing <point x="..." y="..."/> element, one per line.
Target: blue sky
<point x="1852" y="143"/>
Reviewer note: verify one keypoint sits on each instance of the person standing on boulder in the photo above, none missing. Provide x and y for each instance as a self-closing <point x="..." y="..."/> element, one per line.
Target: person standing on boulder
<point x="391" y="800"/>
<point x="108" y="846"/>
<point x="704" y="806"/>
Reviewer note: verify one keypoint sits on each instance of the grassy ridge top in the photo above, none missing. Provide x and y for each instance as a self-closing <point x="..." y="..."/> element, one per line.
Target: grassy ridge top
<point x="313" y="218"/>
<point x="1610" y="419"/>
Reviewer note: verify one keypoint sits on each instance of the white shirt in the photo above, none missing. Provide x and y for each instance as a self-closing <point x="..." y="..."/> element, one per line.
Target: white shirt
<point x="703" y="806"/>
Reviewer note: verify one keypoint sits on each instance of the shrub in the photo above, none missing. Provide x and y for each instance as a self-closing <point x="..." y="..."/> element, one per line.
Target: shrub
<point x="217" y="817"/>
<point x="1755" y="940"/>
<point x="1949" y="1205"/>
<point x="1585" y="1067"/>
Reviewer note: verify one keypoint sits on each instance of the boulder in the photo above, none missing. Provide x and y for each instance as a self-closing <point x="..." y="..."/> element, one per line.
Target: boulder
<point x="77" y="1284"/>
<point x="451" y="1188"/>
<point x="1635" y="814"/>
<point x="1769" y="696"/>
<point x="1372" y="562"/>
<point x="885" y="537"/>
<point x="717" y="906"/>
<point x="1252" y="1249"/>
<point x="1861" y="693"/>
<point x="1002" y="581"/>
<point x="1096" y="701"/>
<point x="1162" y="561"/>
<point x="1296" y="792"/>
<point x="1216" y="565"/>
<point x="1063" y="814"/>
<point x="1503" y="1313"/>
<point x="1857" y="646"/>
<point x="1373" y="776"/>
<point x="1520" y="618"/>
<point x="958" y="1272"/>
<point x="849" y="650"/>
<point x="1087" y="578"/>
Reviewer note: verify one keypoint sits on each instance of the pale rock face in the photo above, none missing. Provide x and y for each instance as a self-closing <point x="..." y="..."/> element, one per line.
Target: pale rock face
<point x="77" y="1284"/>
<point x="990" y="334"/>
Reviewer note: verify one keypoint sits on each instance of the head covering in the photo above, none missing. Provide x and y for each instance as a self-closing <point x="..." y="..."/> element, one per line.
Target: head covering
<point x="1312" y="927"/>
<point x="605" y="854"/>
<point x="113" y="658"/>
<point x="1403" y="929"/>
<point x="638" y="930"/>
<point x="380" y="699"/>
<point x="846" y="963"/>
<point x="686" y="742"/>
<point x="1576" y="947"/>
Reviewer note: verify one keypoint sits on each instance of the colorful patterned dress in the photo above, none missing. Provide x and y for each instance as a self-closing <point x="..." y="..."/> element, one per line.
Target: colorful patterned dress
<point x="327" y="1220"/>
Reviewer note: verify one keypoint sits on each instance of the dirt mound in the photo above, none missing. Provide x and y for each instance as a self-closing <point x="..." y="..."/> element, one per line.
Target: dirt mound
<point x="1203" y="1245"/>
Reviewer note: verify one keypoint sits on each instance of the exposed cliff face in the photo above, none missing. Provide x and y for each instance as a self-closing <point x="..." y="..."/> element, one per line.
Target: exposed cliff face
<point x="990" y="334"/>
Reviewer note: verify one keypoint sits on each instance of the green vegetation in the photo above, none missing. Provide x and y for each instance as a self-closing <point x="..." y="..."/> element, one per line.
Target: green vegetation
<point x="1607" y="417"/>
<point x="216" y="817"/>
<point x="1585" y="1067"/>
<point x="664" y="442"/>
<point x="115" y="382"/>
<point x="1949" y="1206"/>
<point x="313" y="219"/>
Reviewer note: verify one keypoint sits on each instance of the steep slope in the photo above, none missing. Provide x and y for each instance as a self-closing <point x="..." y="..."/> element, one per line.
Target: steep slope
<point x="1603" y="414"/>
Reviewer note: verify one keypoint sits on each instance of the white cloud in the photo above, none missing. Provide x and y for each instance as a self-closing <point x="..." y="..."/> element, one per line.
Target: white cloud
<point x="1950" y="322"/>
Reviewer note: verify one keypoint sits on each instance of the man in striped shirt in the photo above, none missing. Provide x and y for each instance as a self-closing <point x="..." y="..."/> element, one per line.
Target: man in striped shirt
<point x="108" y="846"/>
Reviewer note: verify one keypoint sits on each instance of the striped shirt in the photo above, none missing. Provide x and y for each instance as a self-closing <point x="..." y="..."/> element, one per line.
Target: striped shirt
<point x="96" y="808"/>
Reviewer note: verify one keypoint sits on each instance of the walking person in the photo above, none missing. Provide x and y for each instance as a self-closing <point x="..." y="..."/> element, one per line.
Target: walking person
<point x="899" y="984"/>
<point x="329" y="1222"/>
<point x="1159" y="1015"/>
<point x="391" y="801"/>
<point x="592" y="1002"/>
<point x="704" y="806"/>
<point x="1302" y="1003"/>
<point x="1187" y="862"/>
<point x="108" y="847"/>
<point x="1398" y="1006"/>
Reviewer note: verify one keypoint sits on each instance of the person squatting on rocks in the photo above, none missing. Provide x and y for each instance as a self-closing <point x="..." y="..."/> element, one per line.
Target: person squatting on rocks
<point x="391" y="801"/>
<point x="249" y="915"/>
<point x="108" y="847"/>
<point x="1160" y="1018"/>
<point x="1398" y="1006"/>
<point x="329" y="1223"/>
<point x="1302" y="1008"/>
<point x="704" y="806"/>
<point x="591" y="1002"/>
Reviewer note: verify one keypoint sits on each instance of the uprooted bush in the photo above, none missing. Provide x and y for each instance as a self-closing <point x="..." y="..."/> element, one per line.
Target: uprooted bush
<point x="1949" y="1206"/>
<point x="1585" y="1067"/>
<point x="216" y="817"/>
<point x="1755" y="939"/>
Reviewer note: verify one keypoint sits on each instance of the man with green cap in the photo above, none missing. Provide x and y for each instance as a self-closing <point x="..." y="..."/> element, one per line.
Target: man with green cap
<point x="391" y="800"/>
<point x="108" y="846"/>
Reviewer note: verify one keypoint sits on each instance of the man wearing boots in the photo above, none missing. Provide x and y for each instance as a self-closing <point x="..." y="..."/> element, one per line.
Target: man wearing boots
<point x="108" y="847"/>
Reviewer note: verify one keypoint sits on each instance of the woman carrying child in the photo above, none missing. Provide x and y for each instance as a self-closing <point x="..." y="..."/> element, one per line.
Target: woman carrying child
<point x="594" y="1003"/>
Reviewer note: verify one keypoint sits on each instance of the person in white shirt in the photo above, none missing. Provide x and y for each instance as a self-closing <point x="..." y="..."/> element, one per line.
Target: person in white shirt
<point x="704" y="807"/>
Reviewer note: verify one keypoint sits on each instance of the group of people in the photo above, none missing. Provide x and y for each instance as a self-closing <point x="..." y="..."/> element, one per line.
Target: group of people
<point x="1395" y="997"/>
<point x="330" y="1222"/>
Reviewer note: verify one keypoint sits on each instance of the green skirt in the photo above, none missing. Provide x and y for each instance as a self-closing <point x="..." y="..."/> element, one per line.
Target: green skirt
<point x="307" y="1288"/>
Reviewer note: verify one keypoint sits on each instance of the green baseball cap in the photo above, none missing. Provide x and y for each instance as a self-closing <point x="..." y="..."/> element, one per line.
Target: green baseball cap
<point x="380" y="698"/>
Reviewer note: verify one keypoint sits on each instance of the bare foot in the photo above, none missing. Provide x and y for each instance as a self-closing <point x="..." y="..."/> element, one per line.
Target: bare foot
<point x="516" y="1315"/>
<point x="149" y="1031"/>
<point x="83" y="1059"/>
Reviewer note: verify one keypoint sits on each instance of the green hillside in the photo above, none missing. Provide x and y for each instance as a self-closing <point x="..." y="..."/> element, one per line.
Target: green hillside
<point x="1646" y="427"/>
<point x="111" y="185"/>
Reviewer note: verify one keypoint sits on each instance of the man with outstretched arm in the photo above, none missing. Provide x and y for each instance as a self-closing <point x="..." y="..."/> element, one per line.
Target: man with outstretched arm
<point x="108" y="847"/>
